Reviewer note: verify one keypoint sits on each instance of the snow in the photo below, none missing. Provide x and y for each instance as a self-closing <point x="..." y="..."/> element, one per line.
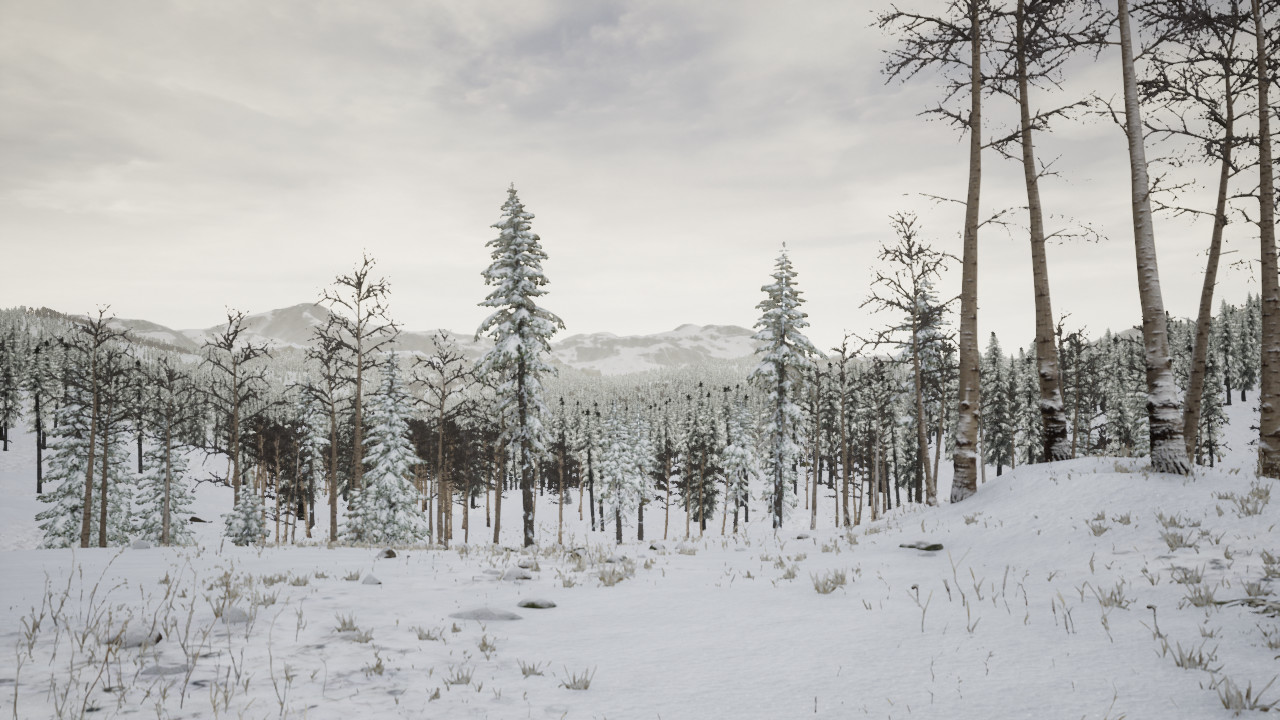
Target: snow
<point x="1008" y="620"/>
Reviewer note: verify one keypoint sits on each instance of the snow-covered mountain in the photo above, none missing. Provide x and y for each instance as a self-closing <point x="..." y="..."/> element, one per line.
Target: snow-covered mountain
<point x="603" y="353"/>
<point x="687" y="345"/>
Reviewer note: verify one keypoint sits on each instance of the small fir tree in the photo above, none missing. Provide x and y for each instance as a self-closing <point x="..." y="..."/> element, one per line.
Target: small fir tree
<point x="386" y="510"/>
<point x="785" y="354"/>
<point x="244" y="524"/>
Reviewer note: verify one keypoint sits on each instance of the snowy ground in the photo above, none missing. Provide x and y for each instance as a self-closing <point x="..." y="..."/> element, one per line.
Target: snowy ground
<point x="1056" y="595"/>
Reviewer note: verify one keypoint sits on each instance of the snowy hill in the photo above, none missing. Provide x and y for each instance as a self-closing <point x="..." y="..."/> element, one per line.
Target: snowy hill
<point x="686" y="346"/>
<point x="602" y="353"/>
<point x="1086" y="588"/>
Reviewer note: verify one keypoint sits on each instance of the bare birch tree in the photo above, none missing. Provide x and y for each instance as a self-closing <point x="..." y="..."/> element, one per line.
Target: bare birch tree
<point x="1164" y="410"/>
<point x="953" y="43"/>
<point x="358" y="306"/>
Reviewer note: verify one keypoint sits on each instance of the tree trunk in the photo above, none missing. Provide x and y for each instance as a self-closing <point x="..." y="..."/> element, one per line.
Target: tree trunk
<point x="1053" y="421"/>
<point x="233" y="439"/>
<point x="1269" y="297"/>
<point x="333" y="470"/>
<point x="357" y="442"/>
<point x="925" y="483"/>
<point x="39" y="439"/>
<point x="165" y="536"/>
<point x="560" y="519"/>
<point x="1204" y="319"/>
<point x="497" y="496"/>
<point x="106" y="457"/>
<point x="965" y="482"/>
<point x="86" y="510"/>
<point x="444" y="502"/>
<point x="666" y="512"/>
<point x="1164" y="411"/>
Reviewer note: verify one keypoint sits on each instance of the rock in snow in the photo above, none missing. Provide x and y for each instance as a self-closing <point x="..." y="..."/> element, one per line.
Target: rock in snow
<point x="388" y="553"/>
<point x="485" y="614"/>
<point x="370" y="580"/>
<point x="516" y="573"/>
<point x="234" y="615"/>
<point x="536" y="604"/>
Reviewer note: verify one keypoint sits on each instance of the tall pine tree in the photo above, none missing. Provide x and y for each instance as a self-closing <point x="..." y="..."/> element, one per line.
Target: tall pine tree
<point x="521" y="333"/>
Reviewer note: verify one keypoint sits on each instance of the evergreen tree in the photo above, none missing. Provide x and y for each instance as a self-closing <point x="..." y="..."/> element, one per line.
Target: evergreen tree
<point x="386" y="510"/>
<point x="623" y="466"/>
<point x="785" y="354"/>
<point x="245" y="523"/>
<point x="521" y="332"/>
<point x="739" y="460"/>
<point x="163" y="489"/>
<point x="68" y="463"/>
<point x="10" y="397"/>
<point x="997" y="423"/>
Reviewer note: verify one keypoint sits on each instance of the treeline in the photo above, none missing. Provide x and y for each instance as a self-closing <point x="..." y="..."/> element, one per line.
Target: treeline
<point x="659" y="454"/>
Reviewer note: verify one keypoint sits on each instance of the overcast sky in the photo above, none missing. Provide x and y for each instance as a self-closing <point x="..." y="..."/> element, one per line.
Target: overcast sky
<point x="171" y="159"/>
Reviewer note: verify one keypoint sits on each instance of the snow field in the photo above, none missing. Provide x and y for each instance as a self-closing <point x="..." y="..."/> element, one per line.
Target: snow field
<point x="1066" y="590"/>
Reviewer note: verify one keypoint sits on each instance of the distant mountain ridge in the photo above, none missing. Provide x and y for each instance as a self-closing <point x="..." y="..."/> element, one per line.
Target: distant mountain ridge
<point x="603" y="353"/>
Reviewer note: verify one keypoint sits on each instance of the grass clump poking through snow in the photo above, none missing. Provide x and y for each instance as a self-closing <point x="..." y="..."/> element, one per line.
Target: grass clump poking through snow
<point x="1187" y="576"/>
<point x="578" y="681"/>
<point x="1249" y="504"/>
<point x="827" y="584"/>
<point x="1237" y="701"/>
<point x="1176" y="540"/>
<point x="613" y="573"/>
<point x="1192" y="658"/>
<point x="1098" y="525"/>
<point x="527" y="669"/>
<point x="1200" y="595"/>
<point x="435" y="634"/>
<point x="346" y="623"/>
<point x="1113" y="597"/>
<point x="459" y="676"/>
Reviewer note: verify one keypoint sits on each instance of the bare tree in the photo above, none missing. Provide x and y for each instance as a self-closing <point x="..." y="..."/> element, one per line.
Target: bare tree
<point x="97" y="347"/>
<point x="364" y="329"/>
<point x="1164" y="411"/>
<point x="1269" y="385"/>
<point x="174" y="410"/>
<point x="953" y="43"/>
<point x="1196" y="75"/>
<point x="446" y="376"/>
<point x="1046" y="34"/>
<point x="238" y="386"/>
<point x="334" y="375"/>
<point x="906" y="287"/>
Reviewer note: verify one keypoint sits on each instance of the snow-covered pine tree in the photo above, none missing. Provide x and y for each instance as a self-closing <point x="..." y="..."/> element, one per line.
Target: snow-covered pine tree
<point x="10" y="397"/>
<point x="41" y="386"/>
<point x="700" y="461"/>
<point x="996" y="422"/>
<point x="738" y="458"/>
<point x="622" y="467"/>
<point x="163" y="489"/>
<point x="785" y="353"/>
<point x="68" y="463"/>
<point x="386" y="510"/>
<point x="164" y="495"/>
<point x="521" y="333"/>
<point x="1210" y="442"/>
<point x="244" y="525"/>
